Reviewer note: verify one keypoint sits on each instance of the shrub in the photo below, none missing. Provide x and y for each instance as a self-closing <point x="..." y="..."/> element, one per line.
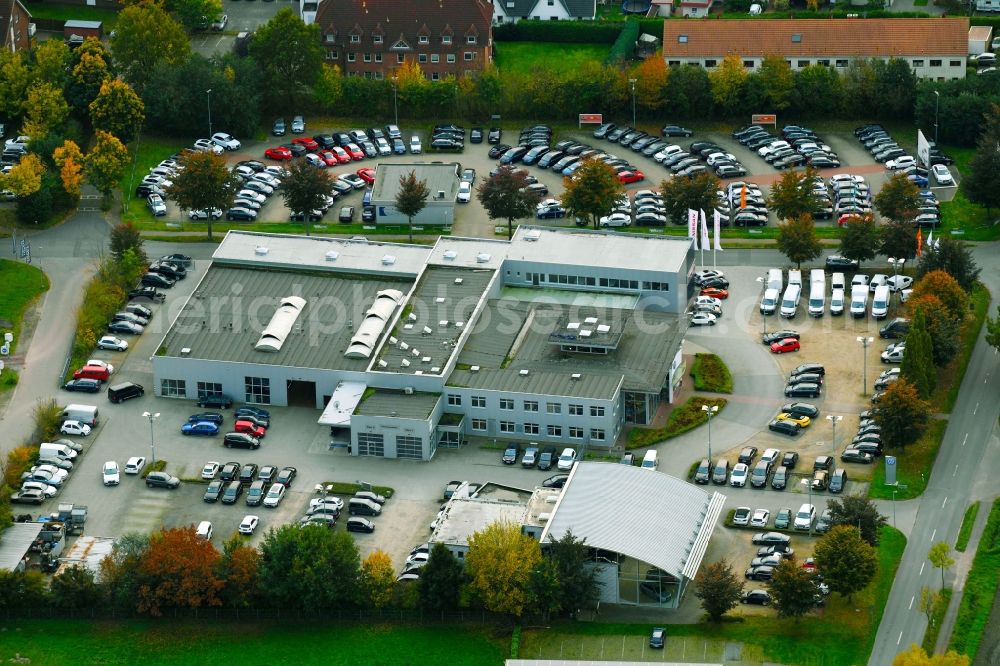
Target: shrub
<point x="19" y="460"/>
<point x="711" y="374"/>
<point x="157" y="466"/>
<point x="8" y="378"/>
<point x="685" y="417"/>
<point x="47" y="421"/>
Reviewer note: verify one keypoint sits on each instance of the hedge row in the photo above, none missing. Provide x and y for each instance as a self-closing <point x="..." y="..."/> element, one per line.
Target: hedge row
<point x="624" y="47"/>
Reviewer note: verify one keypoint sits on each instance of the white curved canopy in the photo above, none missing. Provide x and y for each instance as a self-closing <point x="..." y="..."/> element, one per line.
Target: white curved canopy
<point x="364" y="341"/>
<point x="281" y="324"/>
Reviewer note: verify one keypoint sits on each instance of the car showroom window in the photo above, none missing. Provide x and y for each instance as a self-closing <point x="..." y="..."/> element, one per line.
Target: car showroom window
<point x="173" y="388"/>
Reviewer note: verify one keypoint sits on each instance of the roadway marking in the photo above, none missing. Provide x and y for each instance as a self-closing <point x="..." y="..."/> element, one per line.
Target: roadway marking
<point x="912" y="599"/>
<point x="921" y="569"/>
<point x="965" y="439"/>
<point x="933" y="534"/>
<point x="955" y="473"/>
<point x="976" y="409"/>
<point x="944" y="502"/>
<point x="898" y="640"/>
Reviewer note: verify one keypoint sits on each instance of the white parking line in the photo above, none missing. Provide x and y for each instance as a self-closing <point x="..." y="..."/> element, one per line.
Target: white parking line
<point x="976" y="409"/>
<point x="898" y="640"/>
<point x="933" y="534"/>
<point x="955" y="473"/>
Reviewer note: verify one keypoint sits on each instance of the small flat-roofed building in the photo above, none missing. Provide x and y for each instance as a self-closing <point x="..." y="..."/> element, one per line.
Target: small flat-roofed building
<point x="75" y="31"/>
<point x="463" y="517"/>
<point x="396" y="424"/>
<point x="442" y="181"/>
<point x="15" y="543"/>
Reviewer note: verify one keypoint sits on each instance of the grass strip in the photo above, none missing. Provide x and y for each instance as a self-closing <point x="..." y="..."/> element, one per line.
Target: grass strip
<point x="711" y="374"/>
<point x="686" y="417"/>
<point x="913" y="466"/>
<point x="967" y="524"/>
<point x="937" y="616"/>
<point x="20" y="285"/>
<point x="980" y="586"/>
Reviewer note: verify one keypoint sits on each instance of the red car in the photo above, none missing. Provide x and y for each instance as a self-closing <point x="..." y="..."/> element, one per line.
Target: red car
<point x="367" y="174"/>
<point x="354" y="151"/>
<point x="846" y="217"/>
<point x="786" y="345"/>
<point x="715" y="292"/>
<point x="279" y="153"/>
<point x="250" y="428"/>
<point x="340" y="154"/>
<point x="329" y="158"/>
<point x="631" y="176"/>
<point x="307" y="142"/>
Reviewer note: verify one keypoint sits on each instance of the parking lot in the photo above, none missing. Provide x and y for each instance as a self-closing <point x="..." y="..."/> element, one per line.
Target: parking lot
<point x="243" y="16"/>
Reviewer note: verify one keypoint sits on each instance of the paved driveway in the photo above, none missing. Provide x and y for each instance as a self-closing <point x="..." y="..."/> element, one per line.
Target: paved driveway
<point x="243" y="16"/>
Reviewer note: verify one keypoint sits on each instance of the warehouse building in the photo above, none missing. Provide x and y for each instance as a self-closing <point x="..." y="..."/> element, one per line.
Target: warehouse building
<point x="559" y="336"/>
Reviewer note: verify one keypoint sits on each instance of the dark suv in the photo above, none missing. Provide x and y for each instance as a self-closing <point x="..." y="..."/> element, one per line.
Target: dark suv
<point x="162" y="480"/>
<point x="240" y="440"/>
<point x="220" y="401"/>
<point x="255" y="494"/>
<point x="232" y="492"/>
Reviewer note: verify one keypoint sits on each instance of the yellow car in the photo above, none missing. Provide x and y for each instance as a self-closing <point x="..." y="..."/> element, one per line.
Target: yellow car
<point x="803" y="421"/>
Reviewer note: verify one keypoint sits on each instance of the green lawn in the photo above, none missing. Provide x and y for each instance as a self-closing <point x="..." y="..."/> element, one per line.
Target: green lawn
<point x="711" y="374"/>
<point x="937" y="616"/>
<point x="913" y="466"/>
<point x="840" y="635"/>
<point x="523" y="56"/>
<point x="45" y="10"/>
<point x="980" y="586"/>
<point x="78" y="642"/>
<point x="949" y="379"/>
<point x="968" y="522"/>
<point x="20" y="285"/>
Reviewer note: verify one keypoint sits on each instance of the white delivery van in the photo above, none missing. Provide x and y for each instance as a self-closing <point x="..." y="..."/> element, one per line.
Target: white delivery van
<point x="817" y="299"/>
<point x="82" y="413"/>
<point x="775" y="280"/>
<point x="649" y="460"/>
<point x="859" y="300"/>
<point x="817" y="275"/>
<point x="790" y="301"/>
<point x="880" y="302"/>
<point x="837" y="302"/>
<point x="795" y="277"/>
<point x="837" y="281"/>
<point x="60" y="451"/>
<point x="769" y="303"/>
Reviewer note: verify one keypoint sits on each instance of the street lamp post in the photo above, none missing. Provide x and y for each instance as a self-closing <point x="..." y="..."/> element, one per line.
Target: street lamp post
<point x="893" y="508"/>
<point x="152" y="443"/>
<point x="834" y="419"/>
<point x="710" y="411"/>
<point x="208" y="93"/>
<point x="937" y="102"/>
<point x="763" y="281"/>
<point x="632" y="83"/>
<point x="395" y="106"/>
<point x="808" y="484"/>
<point x="865" y="341"/>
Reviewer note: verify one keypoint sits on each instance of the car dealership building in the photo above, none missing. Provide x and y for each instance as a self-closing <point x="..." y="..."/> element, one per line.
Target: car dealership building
<point x="558" y="336"/>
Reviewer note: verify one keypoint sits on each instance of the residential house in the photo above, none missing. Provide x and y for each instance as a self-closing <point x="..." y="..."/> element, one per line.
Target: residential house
<point x="18" y="28"/>
<point x="371" y="38"/>
<point x="935" y="48"/>
<point x="511" y="11"/>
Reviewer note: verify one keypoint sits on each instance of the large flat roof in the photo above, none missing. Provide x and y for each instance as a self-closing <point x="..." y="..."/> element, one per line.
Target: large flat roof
<point x="652" y="517"/>
<point x="398" y="404"/>
<point x="514" y="337"/>
<point x="440" y="177"/>
<point x="464" y="517"/>
<point x="608" y="249"/>
<point x="224" y="318"/>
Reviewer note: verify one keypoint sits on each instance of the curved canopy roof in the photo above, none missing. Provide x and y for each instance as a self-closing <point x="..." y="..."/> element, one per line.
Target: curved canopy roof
<point x="378" y="315"/>
<point x="281" y="324"/>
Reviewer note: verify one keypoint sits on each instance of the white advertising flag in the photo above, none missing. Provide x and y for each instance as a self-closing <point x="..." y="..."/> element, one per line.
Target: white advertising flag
<point x="717" y="223"/>
<point x="693" y="227"/>
<point x="705" y="244"/>
<point x="930" y="240"/>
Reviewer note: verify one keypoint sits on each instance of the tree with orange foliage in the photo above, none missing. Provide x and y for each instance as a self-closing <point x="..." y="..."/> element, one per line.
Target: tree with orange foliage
<point x="946" y="288"/>
<point x="238" y="568"/>
<point x="19" y="460"/>
<point x="69" y="158"/>
<point x="651" y="84"/>
<point x="916" y="656"/>
<point x="180" y="571"/>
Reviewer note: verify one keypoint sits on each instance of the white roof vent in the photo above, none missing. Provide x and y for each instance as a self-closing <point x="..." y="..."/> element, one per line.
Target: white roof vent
<point x="586" y="333"/>
<point x="483" y="257"/>
<point x="405" y="363"/>
<point x="523" y="373"/>
<point x="425" y="359"/>
<point x="436" y="369"/>
<point x="185" y="351"/>
<point x="459" y="280"/>
<point x="260" y="250"/>
<point x="474" y="368"/>
<point x="551" y="499"/>
<point x="575" y="376"/>
<point x="393" y="340"/>
<point x="332" y="255"/>
<point x="412" y="316"/>
<point x="404" y="346"/>
<point x="532" y="234"/>
<point x="603" y="328"/>
<point x="388" y="260"/>
<point x="382" y="363"/>
<point x="544" y="517"/>
<point x="573" y="325"/>
<point x="415" y="352"/>
<point x="439" y="299"/>
<point x="418" y="372"/>
<point x="408" y="390"/>
<point x="590" y="320"/>
<point x="450" y="254"/>
<point x="443" y="323"/>
<point x="459" y="324"/>
<point x="428" y="330"/>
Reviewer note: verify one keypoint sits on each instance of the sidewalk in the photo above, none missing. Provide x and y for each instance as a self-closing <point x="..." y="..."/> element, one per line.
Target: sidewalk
<point x="963" y="562"/>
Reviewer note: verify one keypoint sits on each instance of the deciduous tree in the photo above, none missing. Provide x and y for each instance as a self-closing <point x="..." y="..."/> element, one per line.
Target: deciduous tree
<point x="916" y="656"/>
<point x="719" y="589"/>
<point x="499" y="565"/>
<point x="940" y="558"/>
<point x="902" y="414"/>
<point x="441" y="580"/>
<point x="578" y="583"/>
<point x="943" y="330"/>
<point x="52" y="58"/>
<point x="860" y="238"/>
<point x="195" y="14"/>
<point x="858" y="511"/>
<point x="929" y="599"/>
<point x="953" y="257"/>
<point x="898" y="240"/>
<point x="946" y="288"/>
<point x="792" y="195"/>
<point x="25" y="178"/>
<point x="411" y="197"/>
<point x="689" y="91"/>
<point x="683" y="194"/>
<point x="505" y="198"/>
<point x="179" y="569"/>
<point x="377" y="578"/>
<point x="592" y="191"/>
<point x="898" y="199"/>
<point x="69" y="160"/>
<point x="777" y="81"/>
<point x="329" y="87"/>
<point x="793" y="590"/>
<point x="818" y="91"/>
<point x="728" y="82"/>
<point x="238" y="569"/>
<point x="106" y="162"/>
<point x="118" y="110"/>
<point x="20" y="589"/>
<point x="847" y="561"/>
<point x="310" y="568"/>
<point x="15" y="79"/>
<point x="290" y="55"/>
<point x="121" y="572"/>
<point x="544" y="589"/>
<point x="979" y="183"/>
<point x="896" y="83"/>
<point x="146" y="35"/>
<point x="124" y="238"/>
<point x="85" y="81"/>
<point x="45" y="110"/>
<point x="206" y="183"/>
<point x="798" y="241"/>
<point x="74" y="588"/>
<point x="651" y="77"/>
<point x="19" y="460"/>
<point x="304" y="189"/>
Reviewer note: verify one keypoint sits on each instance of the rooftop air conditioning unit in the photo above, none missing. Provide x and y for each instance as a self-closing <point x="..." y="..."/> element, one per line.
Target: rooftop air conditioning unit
<point x="392" y="340"/>
<point x="408" y="390"/>
<point x="260" y="250"/>
<point x="575" y="376"/>
<point x="382" y="363"/>
<point x="459" y="280"/>
<point x="405" y="363"/>
<point x="523" y="373"/>
<point x="332" y="255"/>
<point x="388" y="260"/>
<point x="544" y="517"/>
<point x="450" y="254"/>
<point x="533" y="235"/>
<point x="404" y="346"/>
<point x="185" y="351"/>
<point x="483" y="257"/>
<point x="427" y="330"/>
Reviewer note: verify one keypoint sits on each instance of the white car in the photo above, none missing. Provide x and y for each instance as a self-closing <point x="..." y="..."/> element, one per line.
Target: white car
<point x="707" y="300"/>
<point x="75" y="428"/>
<point x="249" y="524"/>
<point x="210" y="470"/>
<point x="415" y="146"/>
<point x="566" y="459"/>
<point x="204" y="530"/>
<point x="901" y="162"/>
<point x="251" y="195"/>
<point x="156" y="205"/>
<point x="205" y="145"/>
<point x="942" y="175"/>
<point x="905" y="295"/>
<point x="703" y="319"/>
<point x="742" y="515"/>
<point x="203" y="214"/>
<point x="46" y="489"/>
<point x="336" y="502"/>
<point x="739" y="476"/>
<point x="274" y="495"/>
<point x="416" y="560"/>
<point x="464" y="192"/>
<point x="110" y="474"/>
<point x="805" y="517"/>
<point x="56" y="475"/>
<point x="112" y="343"/>
<point x="267" y="178"/>
<point x="226" y="141"/>
<point x="770" y="456"/>
<point x="315" y="160"/>
<point x="102" y="364"/>
<point x="760" y="518"/>
<point x="615" y="220"/>
<point x="135" y="464"/>
<point x="899" y="282"/>
<point x="19" y="142"/>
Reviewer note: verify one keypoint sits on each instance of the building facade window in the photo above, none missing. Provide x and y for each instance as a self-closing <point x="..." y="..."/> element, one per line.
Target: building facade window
<point x="553" y="408"/>
<point x="935" y="63"/>
<point x="531" y="429"/>
<point x="554" y="430"/>
<point x="378" y="57"/>
<point x="423" y="39"/>
<point x="471" y="39"/>
<point x="824" y="62"/>
<point x="454" y="400"/>
<point x="355" y="39"/>
<point x="422" y="57"/>
<point x="597" y="434"/>
<point x="329" y="38"/>
<point x="351" y="57"/>
<point x="258" y="390"/>
<point x="331" y="55"/>
<point x="748" y="64"/>
<point x="955" y="63"/>
<point x="173" y="388"/>
<point x="506" y="426"/>
<point x="918" y="63"/>
<point x="596" y="411"/>
<point x="803" y="63"/>
<point x="479" y="425"/>
<point x="841" y="63"/>
<point x="409" y="447"/>
<point x="575" y="432"/>
<point x="400" y="58"/>
<point x="470" y="55"/>
<point x="451" y="57"/>
<point x="506" y="403"/>
<point x="208" y="389"/>
<point x="377" y="39"/>
<point x="446" y="39"/>
<point x="435" y="57"/>
<point x="576" y="410"/>
<point x="709" y="63"/>
<point x="435" y="76"/>
<point x="367" y="57"/>
<point x="371" y="444"/>
<point x="531" y="405"/>
<point x="479" y="401"/>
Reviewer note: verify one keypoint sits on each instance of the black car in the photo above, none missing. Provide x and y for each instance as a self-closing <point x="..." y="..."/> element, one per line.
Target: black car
<point x="157" y="280"/>
<point x="325" y="141"/>
<point x="603" y="131"/>
<point x="83" y="385"/>
<point x="838" y="263"/>
<point x="498" y="150"/>
<point x="240" y="440"/>
<point x="784" y="427"/>
<point x="854" y="455"/>
<point x="658" y="637"/>
<point x="873" y="448"/>
<point x="220" y="401"/>
<point x="229" y="471"/>
<point x="823" y="462"/>
<point x="267" y="473"/>
<point x="813" y="368"/>
<point x="756" y="597"/>
<point x="162" y="480"/>
<point x="214" y="491"/>
<point x="804" y="390"/>
<point x="172" y="271"/>
<point x="790" y="459"/>
<point x="555" y="481"/>
<point x="255" y="494"/>
<point x="278" y="129"/>
<point x="476" y="135"/>
<point x="494" y="135"/>
<point x="232" y="492"/>
<point x="801" y="409"/>
<point x="285" y="476"/>
<point x="805" y="377"/>
<point x="150" y="294"/>
<point x="718" y="282"/>
<point x="547" y="458"/>
<point x="753" y="573"/>
<point x="368" y="214"/>
<point x="248" y="472"/>
<point x="446" y="144"/>
<point x="359" y="524"/>
<point x="676" y="130"/>
<point x="511" y="454"/>
<point x="240" y="214"/>
<point x="747" y="455"/>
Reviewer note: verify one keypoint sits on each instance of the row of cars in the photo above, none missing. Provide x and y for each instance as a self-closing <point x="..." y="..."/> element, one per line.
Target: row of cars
<point x="804" y="520"/>
<point x="325" y="510"/>
<point x="565" y="157"/>
<point x="680" y="161"/>
<point x="249" y="427"/>
<point x="265" y="485"/>
<point x="796" y="146"/>
<point x="543" y="458"/>
<point x="48" y="475"/>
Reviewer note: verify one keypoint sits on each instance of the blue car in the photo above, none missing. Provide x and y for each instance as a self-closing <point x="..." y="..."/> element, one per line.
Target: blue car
<point x="203" y="428"/>
<point x="253" y="411"/>
<point x="918" y="179"/>
<point x="211" y="417"/>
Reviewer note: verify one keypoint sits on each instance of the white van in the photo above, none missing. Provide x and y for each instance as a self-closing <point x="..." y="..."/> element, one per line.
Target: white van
<point x="649" y="460"/>
<point x="795" y="277"/>
<point x="859" y="300"/>
<point x="837" y="302"/>
<point x="838" y="281"/>
<point x="880" y="302"/>
<point x="82" y="413"/>
<point x="817" y="275"/>
<point x="769" y="303"/>
<point x="817" y="299"/>
<point x="775" y="280"/>
<point x="790" y="302"/>
<point x="60" y="451"/>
